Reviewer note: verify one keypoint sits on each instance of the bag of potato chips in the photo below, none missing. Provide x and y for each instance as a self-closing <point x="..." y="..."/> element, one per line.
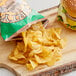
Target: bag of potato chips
<point x="15" y="17"/>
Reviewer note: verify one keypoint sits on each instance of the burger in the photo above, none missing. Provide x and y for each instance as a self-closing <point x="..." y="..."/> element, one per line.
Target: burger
<point x="67" y="13"/>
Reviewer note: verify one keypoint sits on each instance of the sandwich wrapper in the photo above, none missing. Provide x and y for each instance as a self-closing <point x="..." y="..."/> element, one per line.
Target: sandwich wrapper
<point x="17" y="16"/>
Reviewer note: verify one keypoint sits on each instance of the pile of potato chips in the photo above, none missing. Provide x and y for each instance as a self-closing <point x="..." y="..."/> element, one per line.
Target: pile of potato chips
<point x="39" y="46"/>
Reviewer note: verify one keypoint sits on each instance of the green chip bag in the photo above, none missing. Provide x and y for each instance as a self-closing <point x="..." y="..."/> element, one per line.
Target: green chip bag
<point x="15" y="17"/>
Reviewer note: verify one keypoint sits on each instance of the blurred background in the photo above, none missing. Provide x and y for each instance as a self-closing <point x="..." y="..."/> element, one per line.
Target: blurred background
<point x="37" y="5"/>
<point x="42" y="4"/>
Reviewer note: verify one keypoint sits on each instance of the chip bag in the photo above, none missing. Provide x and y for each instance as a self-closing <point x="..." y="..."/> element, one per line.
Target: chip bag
<point x="15" y="17"/>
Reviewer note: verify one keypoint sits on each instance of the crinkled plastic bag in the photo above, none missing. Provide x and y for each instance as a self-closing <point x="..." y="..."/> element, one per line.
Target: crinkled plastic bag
<point x="15" y="17"/>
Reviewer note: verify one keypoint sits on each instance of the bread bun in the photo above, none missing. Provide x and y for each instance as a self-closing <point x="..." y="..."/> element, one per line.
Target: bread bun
<point x="70" y="7"/>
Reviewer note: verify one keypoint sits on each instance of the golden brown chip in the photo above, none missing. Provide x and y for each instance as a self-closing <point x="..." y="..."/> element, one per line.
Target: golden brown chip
<point x="12" y="58"/>
<point x="51" y="61"/>
<point x="25" y="40"/>
<point x="20" y="46"/>
<point x="29" y="66"/>
<point x="33" y="64"/>
<point x="40" y="60"/>
<point x="58" y="30"/>
<point x="39" y="46"/>
<point x="34" y="52"/>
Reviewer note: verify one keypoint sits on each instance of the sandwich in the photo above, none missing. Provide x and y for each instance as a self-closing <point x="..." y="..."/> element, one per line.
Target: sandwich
<point x="67" y="13"/>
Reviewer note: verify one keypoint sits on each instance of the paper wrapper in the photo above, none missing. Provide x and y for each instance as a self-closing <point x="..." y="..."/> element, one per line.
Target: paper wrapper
<point x="17" y="16"/>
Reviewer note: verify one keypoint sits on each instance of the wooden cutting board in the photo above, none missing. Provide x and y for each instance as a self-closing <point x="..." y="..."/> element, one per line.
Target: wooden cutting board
<point x="66" y="64"/>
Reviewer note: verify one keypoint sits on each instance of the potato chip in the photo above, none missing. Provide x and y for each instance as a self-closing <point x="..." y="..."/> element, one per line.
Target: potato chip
<point x="40" y="60"/>
<point x="58" y="30"/>
<point x="61" y="43"/>
<point x="20" y="56"/>
<point x="57" y="53"/>
<point x="50" y="34"/>
<point x="12" y="58"/>
<point x="37" y="36"/>
<point x="38" y="26"/>
<point x="21" y="61"/>
<point x="33" y="45"/>
<point x="39" y="46"/>
<point x="29" y="66"/>
<point x="45" y="52"/>
<point x="20" y="46"/>
<point x="25" y="40"/>
<point x="57" y="35"/>
<point x="33" y="64"/>
<point x="51" y="61"/>
<point x="16" y="52"/>
<point x="34" y="52"/>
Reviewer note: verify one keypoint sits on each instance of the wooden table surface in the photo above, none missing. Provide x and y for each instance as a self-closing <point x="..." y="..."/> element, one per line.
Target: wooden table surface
<point x="37" y="5"/>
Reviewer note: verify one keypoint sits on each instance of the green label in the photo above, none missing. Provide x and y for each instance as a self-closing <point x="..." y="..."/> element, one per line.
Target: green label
<point x="8" y="29"/>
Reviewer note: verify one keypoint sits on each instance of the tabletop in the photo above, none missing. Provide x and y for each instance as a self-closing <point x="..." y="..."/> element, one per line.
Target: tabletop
<point x="37" y="5"/>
